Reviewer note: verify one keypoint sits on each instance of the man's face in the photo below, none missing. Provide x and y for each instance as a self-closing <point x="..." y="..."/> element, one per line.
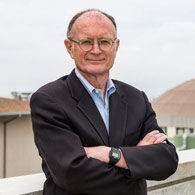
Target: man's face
<point x="95" y="61"/>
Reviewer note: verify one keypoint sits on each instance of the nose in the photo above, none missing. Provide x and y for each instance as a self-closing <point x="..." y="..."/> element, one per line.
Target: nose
<point x="96" y="49"/>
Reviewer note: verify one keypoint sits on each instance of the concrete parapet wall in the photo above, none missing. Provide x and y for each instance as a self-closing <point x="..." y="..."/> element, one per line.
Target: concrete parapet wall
<point x="180" y="183"/>
<point x="26" y="185"/>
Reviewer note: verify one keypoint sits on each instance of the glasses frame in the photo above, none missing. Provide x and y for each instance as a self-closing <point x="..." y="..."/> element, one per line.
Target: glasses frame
<point x="99" y="40"/>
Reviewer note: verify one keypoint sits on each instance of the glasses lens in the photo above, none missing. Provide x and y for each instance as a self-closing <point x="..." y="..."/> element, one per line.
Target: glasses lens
<point x="105" y="44"/>
<point x="86" y="44"/>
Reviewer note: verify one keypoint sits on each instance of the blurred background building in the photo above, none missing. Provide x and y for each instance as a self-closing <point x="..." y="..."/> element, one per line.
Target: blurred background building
<point x="18" y="154"/>
<point x="175" y="111"/>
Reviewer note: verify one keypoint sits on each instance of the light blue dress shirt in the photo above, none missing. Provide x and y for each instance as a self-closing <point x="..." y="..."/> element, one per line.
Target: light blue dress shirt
<point x="97" y="97"/>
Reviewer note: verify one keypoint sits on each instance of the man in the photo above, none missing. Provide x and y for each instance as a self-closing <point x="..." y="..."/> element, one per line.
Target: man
<point x="97" y="135"/>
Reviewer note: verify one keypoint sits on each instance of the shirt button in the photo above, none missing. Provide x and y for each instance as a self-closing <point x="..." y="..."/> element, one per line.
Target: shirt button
<point x="96" y="91"/>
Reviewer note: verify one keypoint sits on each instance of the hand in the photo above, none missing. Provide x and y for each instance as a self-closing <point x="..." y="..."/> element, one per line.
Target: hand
<point x="102" y="153"/>
<point x="154" y="137"/>
<point x="98" y="152"/>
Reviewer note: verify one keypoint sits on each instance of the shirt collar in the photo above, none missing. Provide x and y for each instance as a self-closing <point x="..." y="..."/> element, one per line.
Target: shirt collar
<point x="110" y="85"/>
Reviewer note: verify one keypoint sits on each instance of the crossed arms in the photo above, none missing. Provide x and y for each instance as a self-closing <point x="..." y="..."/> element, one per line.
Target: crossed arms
<point x="102" y="152"/>
<point x="68" y="162"/>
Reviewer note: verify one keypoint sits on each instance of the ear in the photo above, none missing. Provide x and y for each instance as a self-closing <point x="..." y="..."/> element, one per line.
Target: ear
<point x="69" y="47"/>
<point x="117" y="44"/>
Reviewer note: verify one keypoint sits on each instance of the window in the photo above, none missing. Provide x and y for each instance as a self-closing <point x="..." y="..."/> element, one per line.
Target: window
<point x="181" y="130"/>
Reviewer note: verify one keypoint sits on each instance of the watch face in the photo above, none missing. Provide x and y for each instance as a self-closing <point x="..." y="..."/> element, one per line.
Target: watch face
<point x="115" y="155"/>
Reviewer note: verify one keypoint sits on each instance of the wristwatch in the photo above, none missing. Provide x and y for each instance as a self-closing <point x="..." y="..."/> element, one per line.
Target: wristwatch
<point x="114" y="155"/>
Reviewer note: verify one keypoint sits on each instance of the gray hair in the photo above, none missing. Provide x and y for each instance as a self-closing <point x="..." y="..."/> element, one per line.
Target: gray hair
<point x="72" y="21"/>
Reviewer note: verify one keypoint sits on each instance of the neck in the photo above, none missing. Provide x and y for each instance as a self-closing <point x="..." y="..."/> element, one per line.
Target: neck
<point x="99" y="81"/>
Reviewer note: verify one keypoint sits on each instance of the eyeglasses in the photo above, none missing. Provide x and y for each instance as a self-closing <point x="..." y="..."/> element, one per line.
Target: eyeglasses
<point x="87" y="44"/>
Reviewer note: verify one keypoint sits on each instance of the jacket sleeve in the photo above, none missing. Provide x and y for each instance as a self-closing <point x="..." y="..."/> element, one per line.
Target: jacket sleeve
<point x="62" y="151"/>
<point x="152" y="162"/>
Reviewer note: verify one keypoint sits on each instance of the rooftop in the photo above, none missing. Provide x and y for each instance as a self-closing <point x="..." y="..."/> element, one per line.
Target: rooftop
<point x="179" y="101"/>
<point x="13" y="105"/>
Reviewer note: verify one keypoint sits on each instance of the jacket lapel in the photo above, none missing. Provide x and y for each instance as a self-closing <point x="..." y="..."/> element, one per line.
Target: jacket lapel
<point x="87" y="106"/>
<point x="118" y="117"/>
<point x="89" y="109"/>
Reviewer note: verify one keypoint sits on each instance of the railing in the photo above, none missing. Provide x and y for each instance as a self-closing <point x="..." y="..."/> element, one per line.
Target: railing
<point x="181" y="183"/>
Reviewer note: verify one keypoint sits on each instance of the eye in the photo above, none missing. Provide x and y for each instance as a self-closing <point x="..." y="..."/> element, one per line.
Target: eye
<point x="85" y="42"/>
<point x="105" y="42"/>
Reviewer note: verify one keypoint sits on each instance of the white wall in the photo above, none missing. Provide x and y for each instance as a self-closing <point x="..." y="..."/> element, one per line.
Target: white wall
<point x="22" y="155"/>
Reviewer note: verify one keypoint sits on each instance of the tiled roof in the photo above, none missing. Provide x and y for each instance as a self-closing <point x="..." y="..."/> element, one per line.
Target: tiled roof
<point x="177" y="101"/>
<point x="13" y="105"/>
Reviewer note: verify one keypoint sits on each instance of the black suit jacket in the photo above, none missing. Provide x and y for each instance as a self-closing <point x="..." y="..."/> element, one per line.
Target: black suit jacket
<point x="65" y="119"/>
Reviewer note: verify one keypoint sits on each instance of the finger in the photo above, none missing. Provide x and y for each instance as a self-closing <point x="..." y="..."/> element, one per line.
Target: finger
<point x="154" y="132"/>
<point x="159" y="135"/>
<point x="150" y="135"/>
<point x="153" y="139"/>
<point x="149" y="140"/>
<point x="155" y="135"/>
<point x="156" y="138"/>
<point x="160" y="139"/>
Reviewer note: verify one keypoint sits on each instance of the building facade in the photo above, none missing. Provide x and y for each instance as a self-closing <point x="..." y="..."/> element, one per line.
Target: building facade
<point x="175" y="109"/>
<point x="18" y="154"/>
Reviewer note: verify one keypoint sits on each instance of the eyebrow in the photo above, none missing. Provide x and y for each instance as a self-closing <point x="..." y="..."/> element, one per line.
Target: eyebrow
<point x="97" y="39"/>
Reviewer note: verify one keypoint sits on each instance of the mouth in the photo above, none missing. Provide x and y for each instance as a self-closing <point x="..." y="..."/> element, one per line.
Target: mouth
<point x="95" y="60"/>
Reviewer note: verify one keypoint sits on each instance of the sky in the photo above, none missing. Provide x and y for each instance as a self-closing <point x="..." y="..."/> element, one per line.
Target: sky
<point x="156" y="52"/>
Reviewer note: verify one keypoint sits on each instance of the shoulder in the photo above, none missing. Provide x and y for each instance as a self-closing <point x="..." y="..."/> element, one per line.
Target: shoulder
<point x="54" y="87"/>
<point x="130" y="93"/>
<point x="125" y="89"/>
<point x="54" y="90"/>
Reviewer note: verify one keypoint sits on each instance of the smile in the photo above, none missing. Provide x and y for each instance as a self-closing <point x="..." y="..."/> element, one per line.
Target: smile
<point x="95" y="60"/>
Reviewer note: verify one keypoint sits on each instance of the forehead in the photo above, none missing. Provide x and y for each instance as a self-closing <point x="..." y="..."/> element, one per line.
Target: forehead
<point x="93" y="24"/>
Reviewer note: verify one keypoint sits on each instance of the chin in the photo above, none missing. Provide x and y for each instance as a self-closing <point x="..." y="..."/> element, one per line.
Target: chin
<point x="95" y="69"/>
<point x="98" y="71"/>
